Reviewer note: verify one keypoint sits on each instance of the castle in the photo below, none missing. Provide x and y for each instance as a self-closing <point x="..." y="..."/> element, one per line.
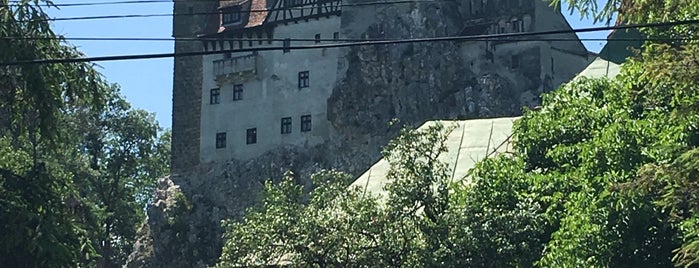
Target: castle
<point x="240" y="105"/>
<point x="254" y="106"/>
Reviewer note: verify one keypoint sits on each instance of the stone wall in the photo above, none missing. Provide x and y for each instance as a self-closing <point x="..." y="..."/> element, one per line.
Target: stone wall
<point x="186" y="94"/>
<point x="271" y="94"/>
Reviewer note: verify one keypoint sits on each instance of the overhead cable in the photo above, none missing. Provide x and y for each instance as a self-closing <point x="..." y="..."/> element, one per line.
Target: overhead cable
<point x="351" y="44"/>
<point x="202" y="39"/>
<point x="234" y="11"/>
<point x="19" y="3"/>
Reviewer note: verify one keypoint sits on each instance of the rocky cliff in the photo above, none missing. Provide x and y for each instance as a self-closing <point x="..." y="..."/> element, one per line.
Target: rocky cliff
<point x="405" y="83"/>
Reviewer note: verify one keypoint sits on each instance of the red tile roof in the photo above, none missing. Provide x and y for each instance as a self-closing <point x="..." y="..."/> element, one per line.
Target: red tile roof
<point x="255" y="15"/>
<point x="256" y="18"/>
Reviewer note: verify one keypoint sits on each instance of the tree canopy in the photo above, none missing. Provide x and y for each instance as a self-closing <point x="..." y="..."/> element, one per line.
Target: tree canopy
<point x="77" y="163"/>
<point x="603" y="175"/>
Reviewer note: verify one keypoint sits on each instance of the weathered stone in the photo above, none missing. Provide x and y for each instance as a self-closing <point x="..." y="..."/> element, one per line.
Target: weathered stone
<point x="380" y="88"/>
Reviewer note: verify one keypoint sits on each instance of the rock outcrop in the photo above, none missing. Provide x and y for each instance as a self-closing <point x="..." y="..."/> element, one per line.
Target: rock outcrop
<point x="407" y="83"/>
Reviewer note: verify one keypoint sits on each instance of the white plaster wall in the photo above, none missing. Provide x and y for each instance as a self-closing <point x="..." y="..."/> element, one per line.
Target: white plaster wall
<point x="273" y="94"/>
<point x="547" y="19"/>
<point x="566" y="65"/>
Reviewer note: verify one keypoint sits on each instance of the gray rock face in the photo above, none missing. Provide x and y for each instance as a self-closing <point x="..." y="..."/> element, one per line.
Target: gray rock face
<point x="410" y="83"/>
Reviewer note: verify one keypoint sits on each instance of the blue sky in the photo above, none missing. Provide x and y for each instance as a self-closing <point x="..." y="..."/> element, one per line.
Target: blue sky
<point x="147" y="84"/>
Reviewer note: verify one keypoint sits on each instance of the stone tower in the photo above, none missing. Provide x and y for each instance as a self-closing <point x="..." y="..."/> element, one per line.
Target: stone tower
<point x="189" y="21"/>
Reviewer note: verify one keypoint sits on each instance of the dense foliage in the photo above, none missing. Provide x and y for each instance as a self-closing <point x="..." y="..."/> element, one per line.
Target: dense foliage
<point x="77" y="164"/>
<point x="605" y="174"/>
<point x="599" y="178"/>
<point x="340" y="227"/>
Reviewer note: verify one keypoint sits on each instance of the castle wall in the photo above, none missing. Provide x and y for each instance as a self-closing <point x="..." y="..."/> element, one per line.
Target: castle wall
<point x="353" y="94"/>
<point x="269" y="95"/>
<point x="186" y="93"/>
<point x="271" y="92"/>
<point x="549" y="18"/>
<point x="563" y="65"/>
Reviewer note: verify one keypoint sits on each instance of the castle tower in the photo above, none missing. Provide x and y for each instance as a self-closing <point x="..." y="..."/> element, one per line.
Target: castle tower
<point x="190" y="19"/>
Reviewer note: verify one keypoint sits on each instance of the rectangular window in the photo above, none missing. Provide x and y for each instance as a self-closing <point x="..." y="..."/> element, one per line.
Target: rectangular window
<point x="237" y="92"/>
<point x="306" y="123"/>
<point x="291" y="3"/>
<point x="336" y="36"/>
<point x="287" y="45"/>
<point x="317" y="38"/>
<point x="251" y="137"/>
<point x="304" y="79"/>
<point x="215" y="97"/>
<point x="286" y="125"/>
<point x="220" y="140"/>
<point x="515" y="61"/>
<point x="231" y="15"/>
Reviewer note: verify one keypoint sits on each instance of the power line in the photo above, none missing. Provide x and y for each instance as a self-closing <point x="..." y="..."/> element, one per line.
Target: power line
<point x="200" y="39"/>
<point x="18" y="3"/>
<point x="238" y="11"/>
<point x="171" y="39"/>
<point x="350" y="44"/>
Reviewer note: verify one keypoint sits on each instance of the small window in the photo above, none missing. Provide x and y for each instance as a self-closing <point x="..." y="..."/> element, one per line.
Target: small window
<point x="215" y="97"/>
<point x="220" y="140"/>
<point x="251" y="137"/>
<point x="231" y="15"/>
<point x="552" y="66"/>
<point x="286" y="125"/>
<point x="317" y="38"/>
<point x="237" y="92"/>
<point x="515" y="62"/>
<point x="336" y="36"/>
<point x="304" y="79"/>
<point x="306" y="123"/>
<point x="291" y="3"/>
<point x="287" y="45"/>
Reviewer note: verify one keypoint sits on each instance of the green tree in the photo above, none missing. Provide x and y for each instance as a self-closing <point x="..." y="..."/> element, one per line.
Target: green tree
<point x="603" y="175"/>
<point x="38" y="229"/>
<point x="424" y="220"/>
<point x="120" y="156"/>
<point x="340" y="227"/>
<point x="77" y="164"/>
<point x="662" y="85"/>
